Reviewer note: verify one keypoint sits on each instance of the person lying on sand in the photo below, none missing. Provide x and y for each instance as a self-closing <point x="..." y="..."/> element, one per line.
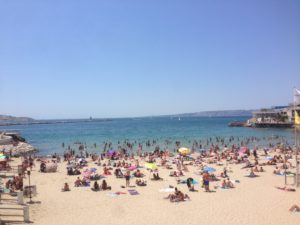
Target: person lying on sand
<point x="176" y="173"/>
<point x="106" y="171"/>
<point x="65" y="188"/>
<point x="178" y="196"/>
<point x="138" y="174"/>
<point x="227" y="184"/>
<point x="295" y="208"/>
<point x="286" y="189"/>
<point x="140" y="182"/>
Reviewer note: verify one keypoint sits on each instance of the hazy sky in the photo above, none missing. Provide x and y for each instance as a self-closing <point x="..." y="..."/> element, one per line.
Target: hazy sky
<point x="75" y="59"/>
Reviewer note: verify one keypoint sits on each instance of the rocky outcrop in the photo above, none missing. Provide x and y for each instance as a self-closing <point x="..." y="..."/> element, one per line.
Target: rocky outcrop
<point x="15" y="144"/>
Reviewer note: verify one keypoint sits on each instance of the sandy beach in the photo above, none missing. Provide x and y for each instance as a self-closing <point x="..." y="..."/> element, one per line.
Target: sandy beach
<point x="252" y="201"/>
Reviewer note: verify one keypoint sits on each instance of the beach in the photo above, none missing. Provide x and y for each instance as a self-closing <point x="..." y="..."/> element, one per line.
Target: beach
<point x="252" y="201"/>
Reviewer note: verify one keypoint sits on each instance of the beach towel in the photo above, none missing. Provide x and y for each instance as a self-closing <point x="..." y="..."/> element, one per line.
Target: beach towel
<point x="112" y="194"/>
<point x="133" y="192"/>
<point x="120" y="193"/>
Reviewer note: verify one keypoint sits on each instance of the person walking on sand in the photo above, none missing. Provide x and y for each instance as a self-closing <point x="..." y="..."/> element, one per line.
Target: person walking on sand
<point x="205" y="178"/>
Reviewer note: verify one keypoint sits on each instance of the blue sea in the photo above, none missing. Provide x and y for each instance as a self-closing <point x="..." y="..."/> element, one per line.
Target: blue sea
<point x="48" y="138"/>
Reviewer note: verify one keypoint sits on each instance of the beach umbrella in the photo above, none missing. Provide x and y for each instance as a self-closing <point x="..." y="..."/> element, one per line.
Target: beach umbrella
<point x="151" y="166"/>
<point x="111" y="152"/>
<point x="184" y="151"/>
<point x="243" y="150"/>
<point x="131" y="168"/>
<point x="209" y="169"/>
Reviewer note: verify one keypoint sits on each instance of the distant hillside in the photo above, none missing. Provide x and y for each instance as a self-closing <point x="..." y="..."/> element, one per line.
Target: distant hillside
<point x="5" y="119"/>
<point x="222" y="113"/>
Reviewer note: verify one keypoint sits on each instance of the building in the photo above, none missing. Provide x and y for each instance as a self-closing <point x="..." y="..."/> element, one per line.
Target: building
<point x="278" y="116"/>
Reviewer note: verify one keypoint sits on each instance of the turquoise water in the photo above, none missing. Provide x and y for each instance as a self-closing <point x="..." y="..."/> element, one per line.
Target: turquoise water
<point x="48" y="138"/>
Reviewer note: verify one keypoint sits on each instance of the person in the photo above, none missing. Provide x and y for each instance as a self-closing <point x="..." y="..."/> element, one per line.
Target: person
<point x="127" y="178"/>
<point x="65" y="188"/>
<point x="96" y="186"/>
<point x="229" y="184"/>
<point x="252" y="174"/>
<point x="205" y="178"/>
<point x="140" y="182"/>
<point x="295" y="208"/>
<point x="104" y="186"/>
<point x="118" y="173"/>
<point x="190" y="184"/>
<point x="78" y="182"/>
<point x="43" y="167"/>
<point x="106" y="171"/>
<point x="286" y="188"/>
<point x="156" y="176"/>
<point x="138" y="174"/>
<point x="224" y="184"/>
<point x="177" y="196"/>
<point x="255" y="169"/>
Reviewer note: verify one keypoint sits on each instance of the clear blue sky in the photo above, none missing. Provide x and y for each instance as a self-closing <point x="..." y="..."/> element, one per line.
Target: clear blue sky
<point x="73" y="59"/>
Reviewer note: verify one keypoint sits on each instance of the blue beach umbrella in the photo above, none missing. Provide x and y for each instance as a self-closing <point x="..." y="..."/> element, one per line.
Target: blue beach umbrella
<point x="209" y="169"/>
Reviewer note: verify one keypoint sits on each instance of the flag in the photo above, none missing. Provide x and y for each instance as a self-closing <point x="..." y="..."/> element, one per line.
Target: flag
<point x="297" y="97"/>
<point x="297" y="118"/>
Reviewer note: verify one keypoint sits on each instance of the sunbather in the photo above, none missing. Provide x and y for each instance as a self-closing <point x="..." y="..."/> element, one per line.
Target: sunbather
<point x="65" y="188"/>
<point x="138" y="174"/>
<point x="104" y="186"/>
<point x="177" y="196"/>
<point x="78" y="182"/>
<point x="96" y="186"/>
<point x="295" y="208"/>
<point x="286" y="189"/>
<point x="140" y="182"/>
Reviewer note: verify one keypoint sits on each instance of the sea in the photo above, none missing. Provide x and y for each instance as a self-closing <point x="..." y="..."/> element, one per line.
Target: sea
<point x="162" y="132"/>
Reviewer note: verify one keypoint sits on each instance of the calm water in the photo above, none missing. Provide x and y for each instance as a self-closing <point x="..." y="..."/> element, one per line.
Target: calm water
<point x="48" y="138"/>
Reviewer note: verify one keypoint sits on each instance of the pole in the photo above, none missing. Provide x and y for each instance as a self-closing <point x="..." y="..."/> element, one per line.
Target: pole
<point x="296" y="147"/>
<point x="30" y="197"/>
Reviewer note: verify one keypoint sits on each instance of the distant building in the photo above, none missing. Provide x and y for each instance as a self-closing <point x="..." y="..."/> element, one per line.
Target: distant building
<point x="277" y="116"/>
